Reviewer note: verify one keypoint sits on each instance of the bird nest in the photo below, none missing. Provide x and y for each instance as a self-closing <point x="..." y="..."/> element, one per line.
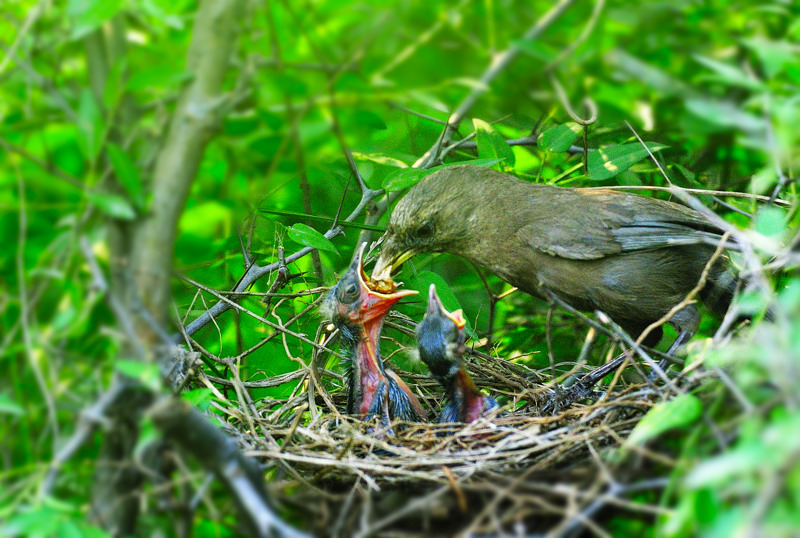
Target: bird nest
<point x="337" y="476"/>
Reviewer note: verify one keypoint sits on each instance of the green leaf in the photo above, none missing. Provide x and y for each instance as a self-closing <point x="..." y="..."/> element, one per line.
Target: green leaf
<point x="676" y="413"/>
<point x="728" y="74"/>
<point x="205" y="219"/>
<point x="127" y="174"/>
<point x="289" y="85"/>
<point x="491" y="145"/>
<point x="486" y="163"/>
<point x="560" y="137"/>
<point x="10" y="407"/>
<point x="87" y="15"/>
<point x="741" y="460"/>
<point x="471" y="83"/>
<point x="536" y="49"/>
<point x="200" y="398"/>
<point x="157" y="77"/>
<point x="724" y="114"/>
<point x="113" y="205"/>
<point x="157" y="11"/>
<point x="685" y="172"/>
<point x="309" y="237"/>
<point x="323" y="218"/>
<point x="763" y="180"/>
<point x="380" y="158"/>
<point x="770" y="221"/>
<point x="114" y="84"/>
<point x="69" y="529"/>
<point x="751" y="303"/>
<point x="148" y="434"/>
<point x="774" y="55"/>
<point x="146" y="372"/>
<point x="645" y="73"/>
<point x="367" y="118"/>
<point x="403" y="178"/>
<point x="39" y="521"/>
<point x="90" y="125"/>
<point x="605" y="163"/>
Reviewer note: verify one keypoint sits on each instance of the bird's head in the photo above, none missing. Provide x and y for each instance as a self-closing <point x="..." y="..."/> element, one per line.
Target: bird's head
<point x="434" y="216"/>
<point x="352" y="301"/>
<point x="440" y="338"/>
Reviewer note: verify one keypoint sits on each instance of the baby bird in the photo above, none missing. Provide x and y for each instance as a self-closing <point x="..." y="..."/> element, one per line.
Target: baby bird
<point x="440" y="339"/>
<point x="358" y="312"/>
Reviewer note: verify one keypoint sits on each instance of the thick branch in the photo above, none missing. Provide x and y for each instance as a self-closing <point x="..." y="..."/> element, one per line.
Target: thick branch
<point x="184" y="426"/>
<point x="195" y="118"/>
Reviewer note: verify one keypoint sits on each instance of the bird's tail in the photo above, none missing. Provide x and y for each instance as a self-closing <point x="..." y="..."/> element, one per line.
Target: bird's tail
<point x="720" y="287"/>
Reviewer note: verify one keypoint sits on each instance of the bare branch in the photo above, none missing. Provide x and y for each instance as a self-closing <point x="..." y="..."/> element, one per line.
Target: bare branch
<point x="196" y="116"/>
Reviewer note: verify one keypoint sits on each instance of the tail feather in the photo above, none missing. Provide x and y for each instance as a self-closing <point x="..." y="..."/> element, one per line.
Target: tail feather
<point x="719" y="289"/>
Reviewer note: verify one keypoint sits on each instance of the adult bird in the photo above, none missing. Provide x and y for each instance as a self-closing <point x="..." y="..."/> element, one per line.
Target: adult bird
<point x="630" y="256"/>
<point x="358" y="312"/>
<point x="440" y="340"/>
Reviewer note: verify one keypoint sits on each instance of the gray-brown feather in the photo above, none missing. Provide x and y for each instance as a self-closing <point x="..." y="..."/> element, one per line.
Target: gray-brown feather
<point x="628" y="255"/>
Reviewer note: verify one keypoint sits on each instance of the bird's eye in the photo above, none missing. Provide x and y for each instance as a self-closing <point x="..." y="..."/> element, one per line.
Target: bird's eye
<point x="349" y="292"/>
<point x="426" y="229"/>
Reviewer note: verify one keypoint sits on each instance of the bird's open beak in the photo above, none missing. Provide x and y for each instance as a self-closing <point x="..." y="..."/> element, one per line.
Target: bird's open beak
<point x="374" y="304"/>
<point x="435" y="308"/>
<point x="389" y="264"/>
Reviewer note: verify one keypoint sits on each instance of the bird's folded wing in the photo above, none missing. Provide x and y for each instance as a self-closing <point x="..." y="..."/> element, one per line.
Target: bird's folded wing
<point x="614" y="228"/>
<point x="590" y="244"/>
<point x="660" y="235"/>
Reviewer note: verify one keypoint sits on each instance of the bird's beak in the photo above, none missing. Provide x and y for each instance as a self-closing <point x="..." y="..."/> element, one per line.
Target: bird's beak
<point x="435" y="308"/>
<point x="374" y="304"/>
<point x="389" y="263"/>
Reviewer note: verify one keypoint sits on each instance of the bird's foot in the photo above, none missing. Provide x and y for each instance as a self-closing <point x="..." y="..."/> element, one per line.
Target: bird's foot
<point x="562" y="399"/>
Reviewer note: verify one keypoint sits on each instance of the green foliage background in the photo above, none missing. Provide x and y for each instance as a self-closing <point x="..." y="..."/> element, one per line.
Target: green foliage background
<point x="713" y="85"/>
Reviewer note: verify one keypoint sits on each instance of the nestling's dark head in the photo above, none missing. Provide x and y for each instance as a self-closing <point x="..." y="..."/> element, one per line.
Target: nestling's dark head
<point x="440" y="338"/>
<point x="436" y="215"/>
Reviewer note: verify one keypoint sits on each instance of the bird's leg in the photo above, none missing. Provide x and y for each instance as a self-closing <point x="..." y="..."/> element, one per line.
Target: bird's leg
<point x="686" y="321"/>
<point x="682" y="338"/>
<point x="583" y="388"/>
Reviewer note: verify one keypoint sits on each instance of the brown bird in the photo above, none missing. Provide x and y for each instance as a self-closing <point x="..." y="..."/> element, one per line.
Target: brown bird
<point x="630" y="256"/>
<point x="358" y="312"/>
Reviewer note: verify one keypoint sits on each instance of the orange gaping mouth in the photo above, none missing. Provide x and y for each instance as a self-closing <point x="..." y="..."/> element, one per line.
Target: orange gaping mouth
<point x="377" y="295"/>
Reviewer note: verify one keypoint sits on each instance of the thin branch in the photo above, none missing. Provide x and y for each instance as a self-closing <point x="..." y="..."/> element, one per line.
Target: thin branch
<point x="255" y="272"/>
<point x="47" y="166"/>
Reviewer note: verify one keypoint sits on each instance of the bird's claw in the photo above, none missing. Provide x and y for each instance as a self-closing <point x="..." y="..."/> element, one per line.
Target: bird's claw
<point x="562" y="399"/>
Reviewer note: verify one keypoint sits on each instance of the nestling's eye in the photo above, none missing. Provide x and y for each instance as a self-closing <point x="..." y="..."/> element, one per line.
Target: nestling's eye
<point x="348" y="292"/>
<point x="426" y="229"/>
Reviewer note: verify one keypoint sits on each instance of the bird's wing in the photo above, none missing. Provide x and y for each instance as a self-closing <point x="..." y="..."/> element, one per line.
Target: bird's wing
<point x="660" y="235"/>
<point x="611" y="224"/>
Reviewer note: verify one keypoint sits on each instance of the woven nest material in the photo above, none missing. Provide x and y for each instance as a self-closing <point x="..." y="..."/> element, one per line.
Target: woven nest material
<point x="430" y="479"/>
